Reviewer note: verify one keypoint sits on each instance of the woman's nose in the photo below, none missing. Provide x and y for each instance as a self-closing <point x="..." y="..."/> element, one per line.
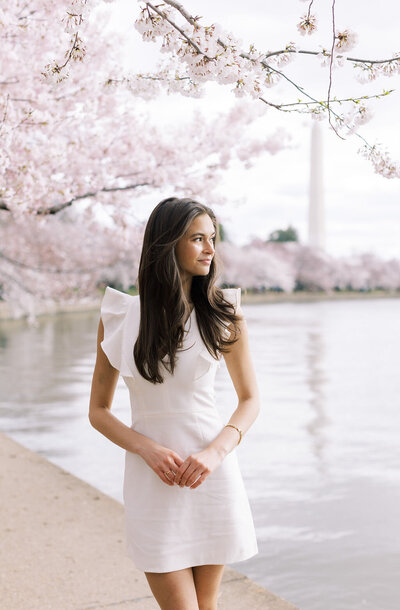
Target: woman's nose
<point x="209" y="247"/>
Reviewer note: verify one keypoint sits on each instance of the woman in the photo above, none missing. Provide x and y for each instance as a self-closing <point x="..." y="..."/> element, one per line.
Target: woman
<point x="187" y="512"/>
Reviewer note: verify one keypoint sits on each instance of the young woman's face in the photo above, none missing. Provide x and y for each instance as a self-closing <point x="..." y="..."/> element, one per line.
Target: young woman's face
<point x="195" y="250"/>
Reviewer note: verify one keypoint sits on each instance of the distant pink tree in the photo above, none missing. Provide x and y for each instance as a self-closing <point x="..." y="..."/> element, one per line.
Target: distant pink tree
<point x="367" y="271"/>
<point x="288" y="265"/>
<point x="255" y="267"/>
<point x="314" y="269"/>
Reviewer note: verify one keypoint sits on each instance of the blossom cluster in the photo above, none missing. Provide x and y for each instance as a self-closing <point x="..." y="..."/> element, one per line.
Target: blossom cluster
<point x="345" y="40"/>
<point x="199" y="53"/>
<point x="368" y="71"/>
<point x="381" y="161"/>
<point x="202" y="55"/>
<point x="307" y="24"/>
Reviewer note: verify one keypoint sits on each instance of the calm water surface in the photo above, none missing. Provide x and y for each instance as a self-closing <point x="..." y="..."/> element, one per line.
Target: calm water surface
<point x="321" y="464"/>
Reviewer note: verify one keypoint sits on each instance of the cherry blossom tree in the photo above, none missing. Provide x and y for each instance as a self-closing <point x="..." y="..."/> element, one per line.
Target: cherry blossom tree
<point x="71" y="227"/>
<point x="80" y="138"/>
<point x="200" y="52"/>
<point x="195" y="52"/>
<point x="50" y="259"/>
<point x="77" y="144"/>
<point x="76" y="153"/>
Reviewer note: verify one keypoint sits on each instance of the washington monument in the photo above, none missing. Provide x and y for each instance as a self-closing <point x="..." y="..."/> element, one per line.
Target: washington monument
<point x="316" y="208"/>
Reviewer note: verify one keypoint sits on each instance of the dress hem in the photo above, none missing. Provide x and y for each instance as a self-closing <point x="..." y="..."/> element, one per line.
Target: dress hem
<point x="181" y="565"/>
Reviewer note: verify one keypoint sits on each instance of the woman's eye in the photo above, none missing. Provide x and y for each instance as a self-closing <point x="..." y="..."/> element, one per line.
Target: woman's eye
<point x="212" y="239"/>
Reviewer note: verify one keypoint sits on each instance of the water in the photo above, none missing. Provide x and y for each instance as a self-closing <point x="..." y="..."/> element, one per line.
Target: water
<point x="321" y="464"/>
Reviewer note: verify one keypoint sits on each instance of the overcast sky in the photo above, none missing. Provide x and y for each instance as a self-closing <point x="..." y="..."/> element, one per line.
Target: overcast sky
<point x="362" y="208"/>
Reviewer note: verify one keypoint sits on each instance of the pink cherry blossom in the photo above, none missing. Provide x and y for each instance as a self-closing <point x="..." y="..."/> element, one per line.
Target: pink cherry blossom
<point x="345" y="40"/>
<point x="307" y="24"/>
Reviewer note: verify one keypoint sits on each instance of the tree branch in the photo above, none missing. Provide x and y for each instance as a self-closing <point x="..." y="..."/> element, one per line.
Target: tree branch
<point x="330" y="74"/>
<point x="23" y="265"/>
<point x="54" y="209"/>
<point x="324" y="102"/>
<point x="324" y="105"/>
<point x="324" y="52"/>
<point x="14" y="280"/>
<point x="181" y="10"/>
<point x="182" y="33"/>
<point x="9" y="82"/>
<point x="193" y="21"/>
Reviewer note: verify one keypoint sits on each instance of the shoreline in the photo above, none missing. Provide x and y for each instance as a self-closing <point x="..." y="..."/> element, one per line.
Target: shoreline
<point x="63" y="545"/>
<point x="308" y="296"/>
<point x="248" y="298"/>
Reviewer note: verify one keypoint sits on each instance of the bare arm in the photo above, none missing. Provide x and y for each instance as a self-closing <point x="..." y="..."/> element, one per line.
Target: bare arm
<point x="104" y="381"/>
<point x="241" y="370"/>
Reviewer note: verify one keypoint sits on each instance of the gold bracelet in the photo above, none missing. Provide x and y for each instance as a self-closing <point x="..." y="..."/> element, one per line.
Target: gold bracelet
<point x="236" y="428"/>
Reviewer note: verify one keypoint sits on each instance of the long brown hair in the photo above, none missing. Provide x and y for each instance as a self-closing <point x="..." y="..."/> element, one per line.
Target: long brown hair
<point x="163" y="305"/>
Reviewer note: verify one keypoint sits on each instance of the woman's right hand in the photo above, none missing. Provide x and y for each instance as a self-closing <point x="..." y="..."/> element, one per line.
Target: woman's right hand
<point x="163" y="461"/>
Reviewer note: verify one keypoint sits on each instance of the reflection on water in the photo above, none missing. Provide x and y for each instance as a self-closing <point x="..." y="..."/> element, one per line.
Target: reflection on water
<point x="316" y="379"/>
<point x="320" y="464"/>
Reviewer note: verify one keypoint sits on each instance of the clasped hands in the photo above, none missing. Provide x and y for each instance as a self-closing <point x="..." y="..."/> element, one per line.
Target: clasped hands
<point x="173" y="470"/>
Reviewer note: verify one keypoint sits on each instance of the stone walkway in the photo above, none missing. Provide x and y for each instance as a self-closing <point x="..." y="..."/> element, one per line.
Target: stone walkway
<point x="63" y="545"/>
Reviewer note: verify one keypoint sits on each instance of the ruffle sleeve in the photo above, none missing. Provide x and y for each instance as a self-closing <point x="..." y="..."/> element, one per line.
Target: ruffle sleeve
<point x="113" y="310"/>
<point x="233" y="295"/>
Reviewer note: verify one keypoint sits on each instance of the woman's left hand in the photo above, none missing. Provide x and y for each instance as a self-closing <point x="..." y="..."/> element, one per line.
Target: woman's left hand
<point x="196" y="468"/>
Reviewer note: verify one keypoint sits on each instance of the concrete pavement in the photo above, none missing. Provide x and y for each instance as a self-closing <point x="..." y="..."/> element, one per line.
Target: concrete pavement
<point x="63" y="545"/>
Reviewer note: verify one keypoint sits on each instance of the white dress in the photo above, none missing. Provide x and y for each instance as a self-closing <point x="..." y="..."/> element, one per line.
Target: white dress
<point x="170" y="527"/>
